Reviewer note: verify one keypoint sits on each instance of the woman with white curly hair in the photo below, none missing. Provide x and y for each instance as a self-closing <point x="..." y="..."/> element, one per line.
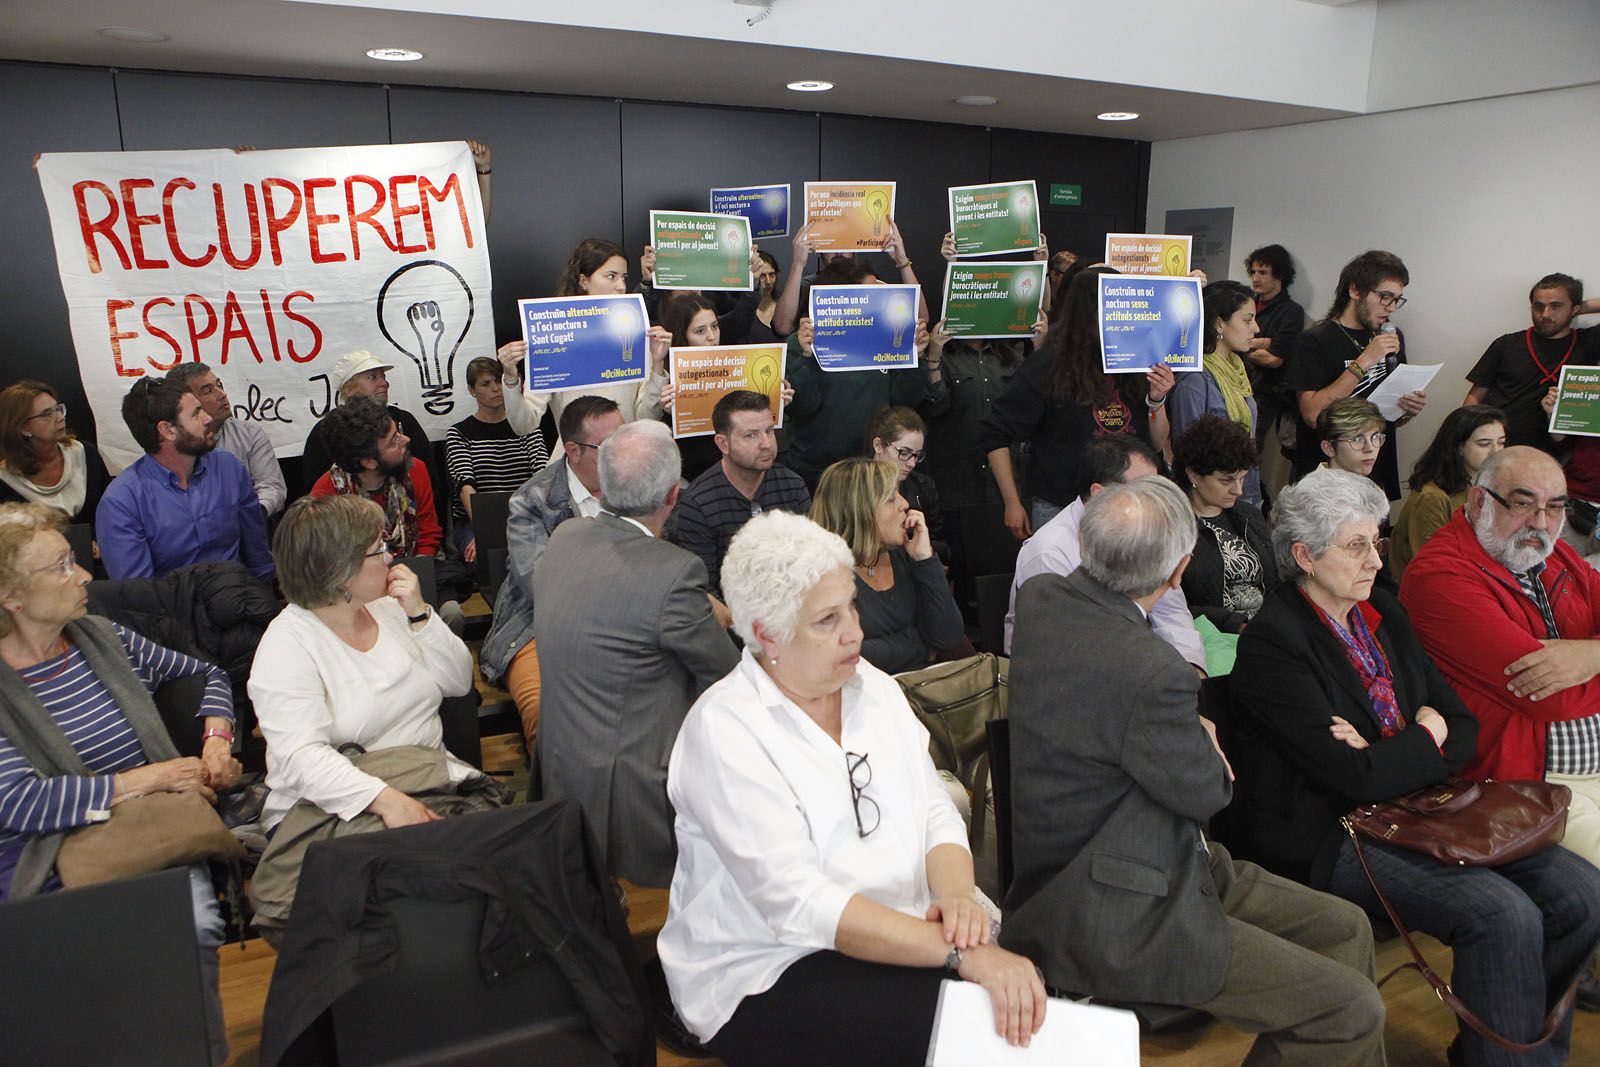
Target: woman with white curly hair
<point x="823" y="888"/>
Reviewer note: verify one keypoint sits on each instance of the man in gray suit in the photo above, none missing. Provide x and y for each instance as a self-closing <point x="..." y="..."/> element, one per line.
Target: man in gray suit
<point x="1117" y="893"/>
<point x="626" y="642"/>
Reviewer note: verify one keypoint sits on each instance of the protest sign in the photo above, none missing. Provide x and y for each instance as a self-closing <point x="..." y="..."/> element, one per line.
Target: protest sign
<point x="575" y="342"/>
<point x="268" y="267"/>
<point x="766" y="206"/>
<point x="1145" y="321"/>
<point x="849" y="216"/>
<point x="1577" y="407"/>
<point x="992" y="299"/>
<point x="994" y="220"/>
<point x="864" y="327"/>
<point x="1149" y="253"/>
<point x="695" y="250"/>
<point x="703" y="376"/>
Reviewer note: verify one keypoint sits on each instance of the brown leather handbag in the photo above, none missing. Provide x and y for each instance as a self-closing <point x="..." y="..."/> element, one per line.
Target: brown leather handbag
<point x="955" y="701"/>
<point x="148" y="833"/>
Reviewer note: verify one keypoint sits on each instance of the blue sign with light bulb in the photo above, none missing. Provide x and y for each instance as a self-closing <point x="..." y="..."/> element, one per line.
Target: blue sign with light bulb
<point x="864" y="327"/>
<point x="766" y="206"/>
<point x="576" y="342"/>
<point x="1150" y="319"/>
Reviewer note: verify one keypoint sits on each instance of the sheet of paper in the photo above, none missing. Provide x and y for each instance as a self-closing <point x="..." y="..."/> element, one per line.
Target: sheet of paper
<point x="1073" y="1035"/>
<point x="1404" y="378"/>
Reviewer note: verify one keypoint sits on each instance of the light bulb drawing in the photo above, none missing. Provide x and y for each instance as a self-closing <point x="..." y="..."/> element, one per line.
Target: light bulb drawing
<point x="1172" y="258"/>
<point x="624" y="323"/>
<point x="1022" y="208"/>
<point x="899" y="315"/>
<point x="877" y="208"/>
<point x="773" y="202"/>
<point x="762" y="374"/>
<point x="1187" y="310"/>
<point x="1025" y="286"/>
<point x="730" y="241"/>
<point x="424" y="310"/>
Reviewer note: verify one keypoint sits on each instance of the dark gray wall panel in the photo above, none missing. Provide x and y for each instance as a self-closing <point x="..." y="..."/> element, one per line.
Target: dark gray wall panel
<point x="1110" y="171"/>
<point x="172" y="111"/>
<point x="557" y="177"/>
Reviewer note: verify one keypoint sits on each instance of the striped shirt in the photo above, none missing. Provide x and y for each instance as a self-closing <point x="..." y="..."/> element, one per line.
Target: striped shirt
<point x="711" y="511"/>
<point x="490" y="457"/>
<point x="83" y="708"/>
<point x="1571" y="746"/>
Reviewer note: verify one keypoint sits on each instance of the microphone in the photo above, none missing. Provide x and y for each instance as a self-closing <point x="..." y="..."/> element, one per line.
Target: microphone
<point x="1389" y="327"/>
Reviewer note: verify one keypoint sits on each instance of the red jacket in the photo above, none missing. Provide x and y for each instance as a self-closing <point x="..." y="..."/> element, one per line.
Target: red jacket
<point x="429" y="534"/>
<point x="1474" y="619"/>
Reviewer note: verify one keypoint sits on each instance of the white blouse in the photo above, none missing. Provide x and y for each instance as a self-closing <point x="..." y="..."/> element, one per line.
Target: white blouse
<point x="768" y="848"/>
<point x="313" y="693"/>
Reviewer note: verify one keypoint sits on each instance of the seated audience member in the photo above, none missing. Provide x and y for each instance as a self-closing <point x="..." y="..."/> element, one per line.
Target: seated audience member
<point x="627" y="641"/>
<point x="897" y="435"/>
<point x="1233" y="569"/>
<point x="246" y="441"/>
<point x="1336" y="704"/>
<point x="1465" y="441"/>
<point x="181" y="502"/>
<point x="1511" y="614"/>
<point x="355" y="665"/>
<point x="568" y="487"/>
<point x="1054" y="548"/>
<point x="748" y="481"/>
<point x="1279" y="321"/>
<point x="356" y="374"/>
<point x="1350" y="354"/>
<point x="862" y="909"/>
<point x="41" y="460"/>
<point x="1351" y="435"/>
<point x="1060" y="402"/>
<point x="372" y="458"/>
<point x="1223" y="385"/>
<point x="79" y="733"/>
<point x="484" y="454"/>
<point x="1114" y="775"/>
<point x="908" y="614"/>
<point x="1517" y="369"/>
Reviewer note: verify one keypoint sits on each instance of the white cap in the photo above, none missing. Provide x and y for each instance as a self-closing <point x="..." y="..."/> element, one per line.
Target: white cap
<point x="358" y="362"/>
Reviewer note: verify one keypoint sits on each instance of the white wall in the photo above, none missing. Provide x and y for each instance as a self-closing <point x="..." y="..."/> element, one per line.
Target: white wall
<point x="1480" y="199"/>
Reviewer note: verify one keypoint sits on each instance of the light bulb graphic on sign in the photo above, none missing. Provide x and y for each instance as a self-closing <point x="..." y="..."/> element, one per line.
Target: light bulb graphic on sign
<point x="773" y="202"/>
<point x="1024" y="290"/>
<point x="762" y="374"/>
<point x="1187" y="311"/>
<point x="877" y="210"/>
<point x="731" y="242"/>
<point x="899" y="315"/>
<point x="624" y="324"/>
<point x="1022" y="208"/>
<point x="425" y="310"/>
<point x="1172" y="258"/>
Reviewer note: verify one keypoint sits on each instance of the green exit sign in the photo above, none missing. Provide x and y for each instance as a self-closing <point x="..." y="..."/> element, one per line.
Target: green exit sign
<point x="1066" y="195"/>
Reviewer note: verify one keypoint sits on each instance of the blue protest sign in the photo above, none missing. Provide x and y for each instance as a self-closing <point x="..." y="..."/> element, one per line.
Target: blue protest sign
<point x="766" y="206"/>
<point x="1145" y="320"/>
<point x="575" y="342"/>
<point x="864" y="327"/>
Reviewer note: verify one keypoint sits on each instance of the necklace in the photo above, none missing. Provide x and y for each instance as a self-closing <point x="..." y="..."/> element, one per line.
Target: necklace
<point x="59" y="671"/>
<point x="1346" y="331"/>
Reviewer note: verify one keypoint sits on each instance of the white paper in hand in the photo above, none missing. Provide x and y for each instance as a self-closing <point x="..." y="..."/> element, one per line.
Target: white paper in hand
<point x="1404" y="378"/>
<point x="1073" y="1035"/>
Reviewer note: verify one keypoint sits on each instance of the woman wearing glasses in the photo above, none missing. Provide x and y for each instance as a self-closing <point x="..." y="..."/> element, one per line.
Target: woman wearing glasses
<point x="1232" y="568"/>
<point x="823" y="887"/>
<point x="1336" y="704"/>
<point x="79" y="733"/>
<point x="40" y="459"/>
<point x="897" y="434"/>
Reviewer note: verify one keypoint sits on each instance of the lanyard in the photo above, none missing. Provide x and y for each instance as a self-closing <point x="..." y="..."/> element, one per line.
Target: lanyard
<point x="1547" y="376"/>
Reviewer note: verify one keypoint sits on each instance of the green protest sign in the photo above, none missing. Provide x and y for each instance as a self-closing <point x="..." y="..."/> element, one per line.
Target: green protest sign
<point x="1577" y="407"/>
<point x="995" y="220"/>
<point x="992" y="299"/>
<point x="696" y="250"/>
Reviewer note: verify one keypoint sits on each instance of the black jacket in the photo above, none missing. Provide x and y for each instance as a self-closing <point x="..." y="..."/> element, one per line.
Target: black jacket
<point x="547" y="899"/>
<point x="1295" y="780"/>
<point x="1203" y="579"/>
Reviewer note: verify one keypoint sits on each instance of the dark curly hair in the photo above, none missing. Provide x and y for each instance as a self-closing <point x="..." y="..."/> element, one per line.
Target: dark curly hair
<point x="1212" y="443"/>
<point x="1276" y="259"/>
<point x="353" y="430"/>
<point x="148" y="404"/>
<point x="1441" y="464"/>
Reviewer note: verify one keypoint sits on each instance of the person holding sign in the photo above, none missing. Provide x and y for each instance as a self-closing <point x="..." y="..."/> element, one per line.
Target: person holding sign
<point x="1061" y="401"/>
<point x="796" y="290"/>
<point x="1223" y="386"/>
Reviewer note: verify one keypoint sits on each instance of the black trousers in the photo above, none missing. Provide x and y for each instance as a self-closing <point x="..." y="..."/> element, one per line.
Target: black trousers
<point x="830" y="1009"/>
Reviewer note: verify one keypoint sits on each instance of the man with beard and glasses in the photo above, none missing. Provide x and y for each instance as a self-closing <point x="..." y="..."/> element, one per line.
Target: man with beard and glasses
<point x="1517" y="369"/>
<point x="181" y="502"/>
<point x="372" y="457"/>
<point x="1349" y="353"/>
<point x="1511" y="614"/>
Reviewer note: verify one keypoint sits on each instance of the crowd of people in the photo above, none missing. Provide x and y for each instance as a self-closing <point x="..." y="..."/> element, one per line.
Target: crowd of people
<point x="699" y="638"/>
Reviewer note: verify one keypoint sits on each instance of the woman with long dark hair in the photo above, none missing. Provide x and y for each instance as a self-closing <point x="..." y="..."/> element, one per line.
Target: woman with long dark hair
<point x="1223" y="385"/>
<point x="1439" y="481"/>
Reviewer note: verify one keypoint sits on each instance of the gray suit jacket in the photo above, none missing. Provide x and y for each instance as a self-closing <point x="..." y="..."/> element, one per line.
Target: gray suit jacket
<point x="626" y="643"/>
<point x="1112" y="777"/>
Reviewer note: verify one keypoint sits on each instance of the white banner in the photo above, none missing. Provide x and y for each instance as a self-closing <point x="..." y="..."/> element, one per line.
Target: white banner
<point x="268" y="267"/>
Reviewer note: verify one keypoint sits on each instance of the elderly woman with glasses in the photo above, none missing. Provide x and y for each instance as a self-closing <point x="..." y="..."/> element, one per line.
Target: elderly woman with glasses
<point x="823" y="888"/>
<point x="1335" y="704"/>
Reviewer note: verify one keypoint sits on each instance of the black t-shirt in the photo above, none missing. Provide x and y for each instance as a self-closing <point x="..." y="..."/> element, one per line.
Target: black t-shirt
<point x="1519" y="368"/>
<point x="1321" y="353"/>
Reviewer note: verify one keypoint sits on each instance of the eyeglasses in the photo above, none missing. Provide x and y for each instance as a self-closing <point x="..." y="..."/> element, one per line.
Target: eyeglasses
<point x="1388" y="299"/>
<point x="585" y="444"/>
<point x="908" y="456"/>
<point x="1555" y="511"/>
<point x="384" y="551"/>
<point x="63" y="566"/>
<point x="1361" y="441"/>
<point x="48" y="413"/>
<point x="860" y="769"/>
<point x="1360" y="548"/>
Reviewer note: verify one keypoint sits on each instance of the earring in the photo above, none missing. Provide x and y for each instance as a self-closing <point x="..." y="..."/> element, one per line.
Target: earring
<point x="1312" y="573"/>
<point x="25" y="434"/>
<point x="347" y="594"/>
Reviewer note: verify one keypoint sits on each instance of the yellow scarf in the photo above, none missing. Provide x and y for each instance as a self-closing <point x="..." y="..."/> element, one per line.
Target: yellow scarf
<point x="1227" y="370"/>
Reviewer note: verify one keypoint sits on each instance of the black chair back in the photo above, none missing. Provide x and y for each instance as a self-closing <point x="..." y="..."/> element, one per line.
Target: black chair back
<point x="490" y="512"/>
<point x="178" y="701"/>
<point x="1000" y="785"/>
<point x="994" y="600"/>
<point x="80" y="538"/>
<point x="427" y="580"/>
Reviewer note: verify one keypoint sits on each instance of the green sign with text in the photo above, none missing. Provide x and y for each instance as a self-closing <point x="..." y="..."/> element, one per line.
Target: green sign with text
<point x="1577" y="407"/>
<point x="1066" y="195"/>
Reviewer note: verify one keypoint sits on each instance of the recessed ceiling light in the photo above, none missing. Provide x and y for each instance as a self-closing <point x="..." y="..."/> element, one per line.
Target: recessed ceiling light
<point x="811" y="85"/>
<point x="128" y="33"/>
<point x="1117" y="116"/>
<point x="394" y="55"/>
<point x="977" y="101"/>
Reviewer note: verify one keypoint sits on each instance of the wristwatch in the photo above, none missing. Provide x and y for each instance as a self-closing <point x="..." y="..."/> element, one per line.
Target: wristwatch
<point x="952" y="962"/>
<point x="414" y="619"/>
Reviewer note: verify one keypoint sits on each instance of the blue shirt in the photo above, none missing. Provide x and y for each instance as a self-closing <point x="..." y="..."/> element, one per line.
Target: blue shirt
<point x="148" y="525"/>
